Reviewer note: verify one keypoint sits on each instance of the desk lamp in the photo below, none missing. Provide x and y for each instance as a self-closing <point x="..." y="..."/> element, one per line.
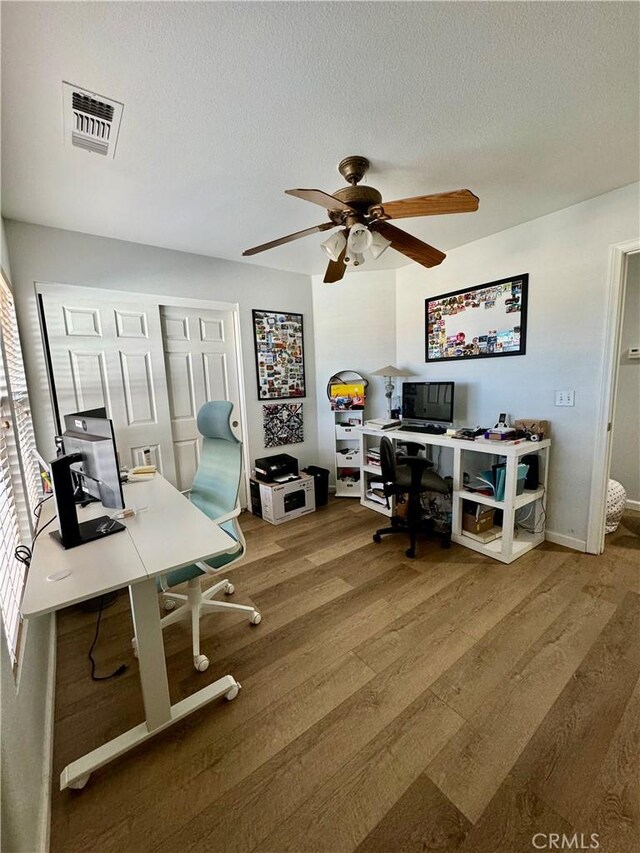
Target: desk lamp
<point x="390" y="373"/>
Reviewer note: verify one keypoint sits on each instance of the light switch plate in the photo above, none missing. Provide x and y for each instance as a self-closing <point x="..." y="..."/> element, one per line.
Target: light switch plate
<point x="565" y="398"/>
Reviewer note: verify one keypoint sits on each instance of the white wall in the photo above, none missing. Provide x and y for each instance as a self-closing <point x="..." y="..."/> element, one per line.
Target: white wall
<point x="355" y="329"/>
<point x="625" y="445"/>
<point x="40" y="254"/>
<point x="566" y="255"/>
<point x="25" y="718"/>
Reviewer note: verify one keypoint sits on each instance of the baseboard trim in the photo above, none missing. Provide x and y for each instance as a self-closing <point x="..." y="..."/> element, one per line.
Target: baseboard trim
<point x="566" y="541"/>
<point x="47" y="768"/>
<point x="634" y="505"/>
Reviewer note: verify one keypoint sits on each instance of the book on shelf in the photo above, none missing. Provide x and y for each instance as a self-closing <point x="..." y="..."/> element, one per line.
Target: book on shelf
<point x="497" y="444"/>
<point x="377" y="496"/>
<point x="383" y="423"/>
<point x="485" y="536"/>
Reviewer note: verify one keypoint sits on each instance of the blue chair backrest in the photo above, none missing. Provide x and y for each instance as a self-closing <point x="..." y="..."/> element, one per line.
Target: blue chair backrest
<point x="217" y="481"/>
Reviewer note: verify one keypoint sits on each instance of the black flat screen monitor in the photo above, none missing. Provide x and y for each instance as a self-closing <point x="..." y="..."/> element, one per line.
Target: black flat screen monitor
<point x="427" y="403"/>
<point x="91" y="434"/>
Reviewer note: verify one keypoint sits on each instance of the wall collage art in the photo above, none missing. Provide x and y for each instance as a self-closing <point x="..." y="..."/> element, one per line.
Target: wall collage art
<point x="279" y="347"/>
<point x="484" y="321"/>
<point x="282" y="423"/>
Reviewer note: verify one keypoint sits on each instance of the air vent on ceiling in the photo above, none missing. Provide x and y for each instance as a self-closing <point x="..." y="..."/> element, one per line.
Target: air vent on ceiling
<point x="90" y="121"/>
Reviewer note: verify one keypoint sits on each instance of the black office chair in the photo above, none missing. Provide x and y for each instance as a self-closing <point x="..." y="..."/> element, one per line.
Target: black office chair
<point x="409" y="475"/>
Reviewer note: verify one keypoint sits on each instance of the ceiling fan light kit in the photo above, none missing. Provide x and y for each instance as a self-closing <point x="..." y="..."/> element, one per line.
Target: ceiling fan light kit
<point x="364" y="217"/>
<point x="379" y="244"/>
<point x="334" y="246"/>
<point x="360" y="238"/>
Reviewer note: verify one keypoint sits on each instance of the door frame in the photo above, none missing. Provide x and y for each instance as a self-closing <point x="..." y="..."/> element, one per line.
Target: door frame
<point x="616" y="281"/>
<point x="158" y="300"/>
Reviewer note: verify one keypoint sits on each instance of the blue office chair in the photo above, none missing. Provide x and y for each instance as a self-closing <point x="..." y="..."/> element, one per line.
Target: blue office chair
<point x="215" y="492"/>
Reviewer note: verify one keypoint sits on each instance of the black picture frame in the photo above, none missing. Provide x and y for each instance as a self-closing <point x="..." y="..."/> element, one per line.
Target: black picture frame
<point x="278" y="338"/>
<point x="496" y="300"/>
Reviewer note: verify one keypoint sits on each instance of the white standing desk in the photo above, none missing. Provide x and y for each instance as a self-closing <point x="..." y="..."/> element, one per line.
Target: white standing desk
<point x="170" y="534"/>
<point x="509" y="547"/>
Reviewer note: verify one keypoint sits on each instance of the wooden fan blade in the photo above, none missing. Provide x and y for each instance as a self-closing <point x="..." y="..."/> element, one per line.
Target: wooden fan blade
<point x="318" y="197"/>
<point x="458" y="201"/>
<point x="289" y="238"/>
<point x="335" y="270"/>
<point x="410" y="246"/>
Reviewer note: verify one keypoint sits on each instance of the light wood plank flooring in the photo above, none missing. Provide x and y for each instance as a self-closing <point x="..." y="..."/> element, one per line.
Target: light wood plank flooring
<point x="449" y="703"/>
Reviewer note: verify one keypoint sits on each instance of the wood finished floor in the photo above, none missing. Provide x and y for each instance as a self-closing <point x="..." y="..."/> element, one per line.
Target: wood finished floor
<point x="449" y="703"/>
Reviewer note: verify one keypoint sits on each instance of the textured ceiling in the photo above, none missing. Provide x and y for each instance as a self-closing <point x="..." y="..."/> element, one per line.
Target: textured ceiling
<point x="533" y="106"/>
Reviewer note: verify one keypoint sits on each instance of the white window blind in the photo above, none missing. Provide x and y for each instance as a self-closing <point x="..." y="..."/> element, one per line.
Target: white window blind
<point x="19" y="474"/>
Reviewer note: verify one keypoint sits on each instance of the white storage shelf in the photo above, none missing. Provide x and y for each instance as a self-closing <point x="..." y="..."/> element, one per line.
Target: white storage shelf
<point x="348" y="453"/>
<point x="515" y="541"/>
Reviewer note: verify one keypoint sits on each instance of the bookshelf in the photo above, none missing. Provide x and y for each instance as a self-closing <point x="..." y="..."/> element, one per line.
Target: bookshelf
<point x="346" y="392"/>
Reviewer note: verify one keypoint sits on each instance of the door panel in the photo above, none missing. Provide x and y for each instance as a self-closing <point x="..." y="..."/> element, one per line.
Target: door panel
<point x="89" y="375"/>
<point x="201" y="365"/>
<point x="107" y="352"/>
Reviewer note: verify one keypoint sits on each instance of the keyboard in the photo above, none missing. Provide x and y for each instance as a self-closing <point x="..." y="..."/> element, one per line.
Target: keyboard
<point x="432" y="429"/>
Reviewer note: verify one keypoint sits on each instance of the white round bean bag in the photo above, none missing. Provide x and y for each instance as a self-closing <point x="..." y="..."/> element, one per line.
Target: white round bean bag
<point x="616" y="502"/>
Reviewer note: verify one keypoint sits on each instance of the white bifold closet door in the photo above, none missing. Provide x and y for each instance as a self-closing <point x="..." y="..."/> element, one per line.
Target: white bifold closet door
<point x="201" y="363"/>
<point x="152" y="366"/>
<point x="108" y="352"/>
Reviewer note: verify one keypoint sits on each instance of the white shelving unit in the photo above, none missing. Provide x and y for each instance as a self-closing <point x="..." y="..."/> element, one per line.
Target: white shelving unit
<point x="515" y="540"/>
<point x="348" y="452"/>
<point x="370" y="472"/>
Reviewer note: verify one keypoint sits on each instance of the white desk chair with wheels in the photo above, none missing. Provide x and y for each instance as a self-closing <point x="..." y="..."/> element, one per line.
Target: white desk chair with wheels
<point x="215" y="492"/>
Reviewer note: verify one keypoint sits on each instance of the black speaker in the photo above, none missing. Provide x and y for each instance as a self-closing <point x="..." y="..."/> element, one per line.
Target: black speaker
<point x="532" y="480"/>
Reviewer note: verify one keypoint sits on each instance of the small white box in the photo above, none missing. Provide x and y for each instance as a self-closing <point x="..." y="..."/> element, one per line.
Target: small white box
<point x="280" y="502"/>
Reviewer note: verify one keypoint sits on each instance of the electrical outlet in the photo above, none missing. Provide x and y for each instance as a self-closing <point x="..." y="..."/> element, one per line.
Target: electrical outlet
<point x="565" y="398"/>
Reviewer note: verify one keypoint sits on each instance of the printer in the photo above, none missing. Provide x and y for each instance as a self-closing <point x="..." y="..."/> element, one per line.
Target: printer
<point x="276" y="469"/>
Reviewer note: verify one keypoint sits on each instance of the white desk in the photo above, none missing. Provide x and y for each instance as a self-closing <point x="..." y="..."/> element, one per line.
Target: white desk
<point x="506" y="549"/>
<point x="171" y="533"/>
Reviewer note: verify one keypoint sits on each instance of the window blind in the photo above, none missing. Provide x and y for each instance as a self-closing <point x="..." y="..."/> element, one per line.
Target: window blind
<point x="19" y="473"/>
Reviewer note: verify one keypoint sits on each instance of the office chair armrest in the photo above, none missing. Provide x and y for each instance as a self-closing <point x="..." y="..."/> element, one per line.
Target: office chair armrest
<point x="235" y="512"/>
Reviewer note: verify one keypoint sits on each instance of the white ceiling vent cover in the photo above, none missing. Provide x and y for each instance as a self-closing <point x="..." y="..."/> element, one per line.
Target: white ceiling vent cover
<point x="90" y="121"/>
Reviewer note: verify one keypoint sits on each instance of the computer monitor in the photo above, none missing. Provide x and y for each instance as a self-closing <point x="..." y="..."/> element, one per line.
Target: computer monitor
<point x="427" y="403"/>
<point x="91" y="435"/>
<point x="90" y="455"/>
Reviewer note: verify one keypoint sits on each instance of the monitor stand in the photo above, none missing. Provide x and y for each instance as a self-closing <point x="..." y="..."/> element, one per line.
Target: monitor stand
<point x="72" y="533"/>
<point x="89" y="531"/>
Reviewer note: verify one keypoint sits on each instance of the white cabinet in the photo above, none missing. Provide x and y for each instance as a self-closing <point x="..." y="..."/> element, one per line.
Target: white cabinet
<point x="348" y="452"/>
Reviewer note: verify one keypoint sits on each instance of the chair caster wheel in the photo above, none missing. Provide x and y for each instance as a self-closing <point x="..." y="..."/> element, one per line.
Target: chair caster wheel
<point x="201" y="663"/>
<point x="134" y="646"/>
<point x="377" y="538"/>
<point x="79" y="784"/>
<point x="410" y="552"/>
<point x="256" y="619"/>
<point x="169" y="604"/>
<point x="231" y="695"/>
<point x="229" y="589"/>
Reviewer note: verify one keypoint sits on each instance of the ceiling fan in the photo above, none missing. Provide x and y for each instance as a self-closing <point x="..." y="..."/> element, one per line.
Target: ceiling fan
<point x="363" y="217"/>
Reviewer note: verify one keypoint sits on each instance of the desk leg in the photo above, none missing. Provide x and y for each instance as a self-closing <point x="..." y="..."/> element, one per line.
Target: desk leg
<point x="508" y="512"/>
<point x="159" y="711"/>
<point x="153" y="669"/>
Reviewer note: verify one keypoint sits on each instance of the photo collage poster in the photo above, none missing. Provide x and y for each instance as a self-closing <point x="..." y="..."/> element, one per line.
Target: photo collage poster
<point x="489" y="320"/>
<point x="278" y="338"/>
